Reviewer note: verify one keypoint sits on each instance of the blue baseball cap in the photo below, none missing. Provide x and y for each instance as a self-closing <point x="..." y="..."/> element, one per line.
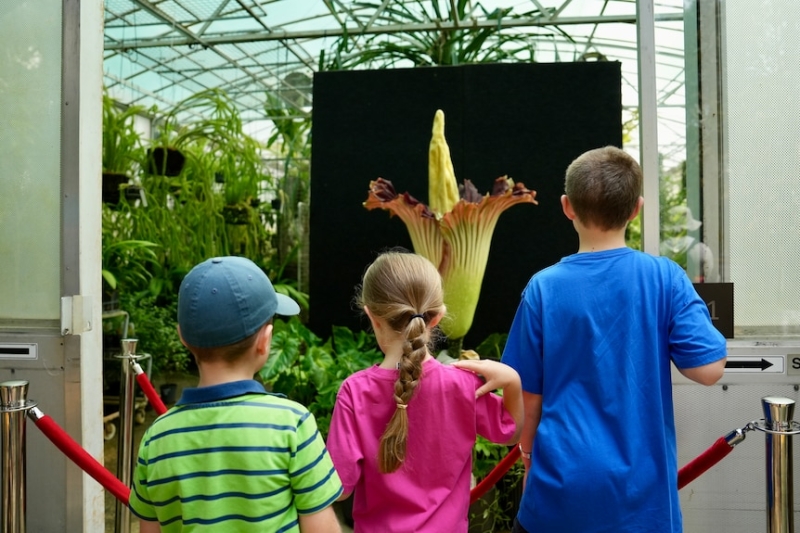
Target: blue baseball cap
<point x="226" y="299"/>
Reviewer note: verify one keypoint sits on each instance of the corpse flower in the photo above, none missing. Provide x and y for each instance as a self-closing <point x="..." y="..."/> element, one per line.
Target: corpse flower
<point x="455" y="231"/>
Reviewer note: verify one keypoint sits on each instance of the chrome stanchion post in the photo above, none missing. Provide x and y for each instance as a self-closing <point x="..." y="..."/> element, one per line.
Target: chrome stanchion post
<point x="14" y="405"/>
<point x="778" y="413"/>
<point x="125" y="436"/>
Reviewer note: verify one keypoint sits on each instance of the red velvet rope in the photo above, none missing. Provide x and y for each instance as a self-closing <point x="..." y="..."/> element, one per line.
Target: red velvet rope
<point x="81" y="457"/>
<point x="150" y="392"/>
<point x="686" y="475"/>
<point x="703" y="462"/>
<point x="494" y="476"/>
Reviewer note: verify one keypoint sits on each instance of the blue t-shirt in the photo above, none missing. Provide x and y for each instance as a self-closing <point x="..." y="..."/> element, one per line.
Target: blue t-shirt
<point x="595" y="335"/>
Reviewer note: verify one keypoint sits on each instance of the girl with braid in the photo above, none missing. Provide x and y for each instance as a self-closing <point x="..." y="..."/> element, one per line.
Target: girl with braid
<point x="402" y="431"/>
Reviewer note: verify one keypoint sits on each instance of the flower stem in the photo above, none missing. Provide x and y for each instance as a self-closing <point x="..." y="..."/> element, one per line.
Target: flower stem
<point x="454" y="347"/>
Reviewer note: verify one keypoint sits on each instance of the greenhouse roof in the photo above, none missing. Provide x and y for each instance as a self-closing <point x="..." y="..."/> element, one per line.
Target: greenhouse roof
<point x="263" y="52"/>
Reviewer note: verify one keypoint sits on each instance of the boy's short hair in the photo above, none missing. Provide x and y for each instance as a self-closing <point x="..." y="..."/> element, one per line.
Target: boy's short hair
<point x="603" y="187"/>
<point x="225" y="300"/>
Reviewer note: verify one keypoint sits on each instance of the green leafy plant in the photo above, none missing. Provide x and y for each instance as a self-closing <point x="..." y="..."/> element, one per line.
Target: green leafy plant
<point x="155" y="325"/>
<point x="492" y="346"/>
<point x="228" y="163"/>
<point x="209" y="122"/>
<point x="291" y="144"/>
<point x="185" y="214"/>
<point x="123" y="150"/>
<point x="127" y="264"/>
<point x="310" y="370"/>
<point x="458" y="43"/>
<point x="499" y="512"/>
<point x="122" y="144"/>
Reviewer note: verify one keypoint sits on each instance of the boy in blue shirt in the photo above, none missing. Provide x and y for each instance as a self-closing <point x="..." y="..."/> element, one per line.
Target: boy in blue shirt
<point x="593" y="340"/>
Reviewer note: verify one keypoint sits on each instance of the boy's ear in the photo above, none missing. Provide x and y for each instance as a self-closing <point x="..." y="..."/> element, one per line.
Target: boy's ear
<point x="264" y="340"/>
<point x="636" y="209"/>
<point x="566" y="206"/>
<point x="181" y="336"/>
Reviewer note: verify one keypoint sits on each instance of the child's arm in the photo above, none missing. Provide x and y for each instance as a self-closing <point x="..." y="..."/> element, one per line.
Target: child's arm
<point x="533" y="414"/>
<point x="148" y="526"/>
<point x="324" y="521"/>
<point x="499" y="376"/>
<point x="706" y="374"/>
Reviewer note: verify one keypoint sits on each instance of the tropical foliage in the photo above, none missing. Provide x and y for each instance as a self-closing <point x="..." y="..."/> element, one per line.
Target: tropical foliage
<point x="310" y="370"/>
<point x="218" y="204"/>
<point x="452" y="40"/>
<point x="123" y="147"/>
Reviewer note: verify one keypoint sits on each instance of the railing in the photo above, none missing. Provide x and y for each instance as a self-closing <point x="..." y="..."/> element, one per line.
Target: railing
<point x="14" y="405"/>
<point x="777" y="425"/>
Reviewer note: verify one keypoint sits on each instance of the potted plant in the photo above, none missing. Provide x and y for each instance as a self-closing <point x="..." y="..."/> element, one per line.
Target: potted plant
<point x="165" y="161"/>
<point x="291" y="145"/>
<point x="243" y="172"/>
<point x="180" y="128"/>
<point x="122" y="147"/>
<point x="127" y="263"/>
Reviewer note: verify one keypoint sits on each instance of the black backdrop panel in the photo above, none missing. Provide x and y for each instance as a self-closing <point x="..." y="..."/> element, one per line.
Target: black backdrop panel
<point x="527" y="121"/>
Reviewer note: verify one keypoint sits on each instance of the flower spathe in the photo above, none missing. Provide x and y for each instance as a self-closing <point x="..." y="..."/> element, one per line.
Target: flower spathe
<point x="458" y="242"/>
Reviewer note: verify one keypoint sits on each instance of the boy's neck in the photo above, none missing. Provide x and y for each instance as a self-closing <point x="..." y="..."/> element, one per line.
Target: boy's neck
<point x="597" y="240"/>
<point x="217" y="373"/>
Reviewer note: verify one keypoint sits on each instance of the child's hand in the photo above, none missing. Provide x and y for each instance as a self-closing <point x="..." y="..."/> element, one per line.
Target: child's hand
<point x="496" y="374"/>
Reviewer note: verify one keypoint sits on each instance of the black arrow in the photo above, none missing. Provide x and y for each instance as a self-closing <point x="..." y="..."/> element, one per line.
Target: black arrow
<point x="763" y="364"/>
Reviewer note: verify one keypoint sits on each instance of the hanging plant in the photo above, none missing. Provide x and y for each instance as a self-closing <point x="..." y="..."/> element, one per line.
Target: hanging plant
<point x="122" y="148"/>
<point x="165" y="161"/>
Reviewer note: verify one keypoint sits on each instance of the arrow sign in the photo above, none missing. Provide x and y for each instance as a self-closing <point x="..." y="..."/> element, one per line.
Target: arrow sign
<point x="768" y="364"/>
<point x="763" y="364"/>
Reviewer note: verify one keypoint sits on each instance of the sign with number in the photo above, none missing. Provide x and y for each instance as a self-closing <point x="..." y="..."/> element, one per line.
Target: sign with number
<point x="793" y="369"/>
<point x="719" y="299"/>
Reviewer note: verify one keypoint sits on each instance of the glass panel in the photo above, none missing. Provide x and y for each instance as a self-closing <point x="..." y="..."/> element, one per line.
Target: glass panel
<point x="30" y="114"/>
<point x="761" y="76"/>
<point x="679" y="195"/>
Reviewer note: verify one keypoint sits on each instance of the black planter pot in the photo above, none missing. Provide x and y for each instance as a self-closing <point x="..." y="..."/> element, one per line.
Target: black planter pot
<point x="133" y="193"/>
<point x="165" y="161"/>
<point x="111" y="187"/>
<point x="237" y="215"/>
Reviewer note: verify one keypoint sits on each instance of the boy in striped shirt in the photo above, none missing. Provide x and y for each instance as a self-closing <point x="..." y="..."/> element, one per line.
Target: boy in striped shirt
<point x="230" y="456"/>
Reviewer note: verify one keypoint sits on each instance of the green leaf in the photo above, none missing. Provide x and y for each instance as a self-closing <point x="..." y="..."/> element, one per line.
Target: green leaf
<point x="284" y="352"/>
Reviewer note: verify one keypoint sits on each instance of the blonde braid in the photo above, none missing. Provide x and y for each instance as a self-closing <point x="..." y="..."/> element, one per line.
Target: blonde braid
<point x="404" y="290"/>
<point x="392" y="450"/>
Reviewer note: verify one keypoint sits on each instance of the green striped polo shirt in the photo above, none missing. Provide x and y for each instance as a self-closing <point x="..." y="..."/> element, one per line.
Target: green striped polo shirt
<point x="232" y="457"/>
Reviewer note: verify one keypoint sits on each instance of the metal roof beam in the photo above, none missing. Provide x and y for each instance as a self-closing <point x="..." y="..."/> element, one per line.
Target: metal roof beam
<point x="196" y="39"/>
<point x="279" y="35"/>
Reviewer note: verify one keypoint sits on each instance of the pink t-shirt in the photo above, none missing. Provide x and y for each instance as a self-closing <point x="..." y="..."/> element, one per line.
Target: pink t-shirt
<point x="430" y="491"/>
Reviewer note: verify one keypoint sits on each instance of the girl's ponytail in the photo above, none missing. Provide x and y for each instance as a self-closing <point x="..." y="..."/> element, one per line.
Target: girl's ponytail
<point x="392" y="450"/>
